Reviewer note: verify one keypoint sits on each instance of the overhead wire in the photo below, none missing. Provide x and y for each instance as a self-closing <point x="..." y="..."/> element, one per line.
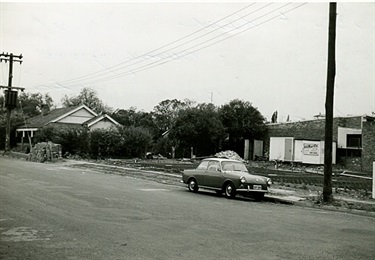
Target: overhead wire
<point x="61" y="83"/>
<point x="177" y="55"/>
<point x="160" y="48"/>
<point x="182" y="44"/>
<point x="170" y="58"/>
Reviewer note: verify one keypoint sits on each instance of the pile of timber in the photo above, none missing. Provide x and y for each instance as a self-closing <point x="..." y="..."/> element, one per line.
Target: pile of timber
<point x="45" y="151"/>
<point x="230" y="155"/>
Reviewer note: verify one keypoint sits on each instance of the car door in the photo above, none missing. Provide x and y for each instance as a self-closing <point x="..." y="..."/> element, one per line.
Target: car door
<point x="213" y="176"/>
<point x="200" y="172"/>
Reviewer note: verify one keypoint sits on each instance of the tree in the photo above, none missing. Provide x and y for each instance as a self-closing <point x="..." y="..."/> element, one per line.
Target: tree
<point x="242" y="121"/>
<point x="32" y="104"/>
<point x="135" y="141"/>
<point x="132" y="117"/>
<point x="198" y="127"/>
<point x="90" y="98"/>
<point x="29" y="105"/>
<point x="73" y="141"/>
<point x="274" y="117"/>
<point x="166" y="112"/>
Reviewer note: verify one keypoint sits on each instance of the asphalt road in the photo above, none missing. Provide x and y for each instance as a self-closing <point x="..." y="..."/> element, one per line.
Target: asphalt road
<point x="52" y="211"/>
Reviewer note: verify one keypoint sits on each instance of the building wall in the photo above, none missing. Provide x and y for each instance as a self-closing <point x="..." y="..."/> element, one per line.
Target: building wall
<point x="312" y="129"/>
<point x="77" y="117"/>
<point x="103" y="124"/>
<point x="315" y="130"/>
<point x="368" y="145"/>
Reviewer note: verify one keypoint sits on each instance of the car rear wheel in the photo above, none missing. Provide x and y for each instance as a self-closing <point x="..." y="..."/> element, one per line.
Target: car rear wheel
<point x="192" y="185"/>
<point x="230" y="190"/>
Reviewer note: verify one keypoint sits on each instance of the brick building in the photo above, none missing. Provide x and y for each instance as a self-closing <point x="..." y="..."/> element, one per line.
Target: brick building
<point x="354" y="137"/>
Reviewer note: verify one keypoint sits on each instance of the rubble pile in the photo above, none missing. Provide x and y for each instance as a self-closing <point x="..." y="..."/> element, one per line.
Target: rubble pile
<point x="230" y="155"/>
<point x="42" y="152"/>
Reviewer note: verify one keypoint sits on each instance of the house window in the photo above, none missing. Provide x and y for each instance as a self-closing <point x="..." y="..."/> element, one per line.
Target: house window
<point x="349" y="153"/>
<point x="354" y="141"/>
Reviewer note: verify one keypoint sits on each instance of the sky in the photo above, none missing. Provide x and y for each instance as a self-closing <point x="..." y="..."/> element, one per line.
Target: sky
<point x="137" y="54"/>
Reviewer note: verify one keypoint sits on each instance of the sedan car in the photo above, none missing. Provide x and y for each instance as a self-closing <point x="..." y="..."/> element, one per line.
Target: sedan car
<point x="226" y="176"/>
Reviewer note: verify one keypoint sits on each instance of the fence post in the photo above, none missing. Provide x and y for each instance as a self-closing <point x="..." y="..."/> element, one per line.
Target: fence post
<point x="373" y="180"/>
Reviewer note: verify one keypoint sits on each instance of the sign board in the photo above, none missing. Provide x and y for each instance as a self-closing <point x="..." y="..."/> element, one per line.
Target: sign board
<point x="311" y="149"/>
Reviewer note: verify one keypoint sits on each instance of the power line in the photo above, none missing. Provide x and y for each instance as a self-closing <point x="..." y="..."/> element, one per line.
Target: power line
<point x="166" y="51"/>
<point x="162" y="47"/>
<point x="170" y="57"/>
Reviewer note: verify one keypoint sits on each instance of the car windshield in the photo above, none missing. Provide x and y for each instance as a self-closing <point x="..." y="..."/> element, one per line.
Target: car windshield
<point x="234" y="166"/>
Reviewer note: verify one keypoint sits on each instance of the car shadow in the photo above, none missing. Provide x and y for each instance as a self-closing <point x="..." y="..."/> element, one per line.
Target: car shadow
<point x="210" y="193"/>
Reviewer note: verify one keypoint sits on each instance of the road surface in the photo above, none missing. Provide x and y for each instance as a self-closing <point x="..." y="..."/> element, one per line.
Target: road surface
<point x="52" y="211"/>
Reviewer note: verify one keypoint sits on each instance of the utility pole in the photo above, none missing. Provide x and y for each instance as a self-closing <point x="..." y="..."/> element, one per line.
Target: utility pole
<point x="331" y="72"/>
<point x="10" y="94"/>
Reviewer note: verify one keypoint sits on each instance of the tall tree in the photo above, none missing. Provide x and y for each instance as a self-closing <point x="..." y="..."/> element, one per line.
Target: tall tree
<point x="242" y="121"/>
<point x="274" y="117"/>
<point x="32" y="104"/>
<point x="198" y="127"/>
<point x="133" y="118"/>
<point x="166" y="112"/>
<point x="29" y="105"/>
<point x="90" y="98"/>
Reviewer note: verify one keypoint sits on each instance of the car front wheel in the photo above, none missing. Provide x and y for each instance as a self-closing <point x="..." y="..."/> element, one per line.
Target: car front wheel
<point x="230" y="190"/>
<point x="192" y="185"/>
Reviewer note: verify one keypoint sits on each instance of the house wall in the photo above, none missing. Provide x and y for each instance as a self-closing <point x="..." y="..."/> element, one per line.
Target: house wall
<point x="342" y="133"/>
<point x="78" y="117"/>
<point x="103" y="124"/>
<point x="315" y="130"/>
<point x="277" y="149"/>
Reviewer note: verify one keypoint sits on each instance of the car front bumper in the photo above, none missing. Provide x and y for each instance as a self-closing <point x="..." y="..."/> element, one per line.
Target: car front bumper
<point x="253" y="188"/>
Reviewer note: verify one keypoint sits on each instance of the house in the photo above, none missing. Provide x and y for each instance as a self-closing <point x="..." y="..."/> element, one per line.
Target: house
<point x="353" y="139"/>
<point x="76" y="117"/>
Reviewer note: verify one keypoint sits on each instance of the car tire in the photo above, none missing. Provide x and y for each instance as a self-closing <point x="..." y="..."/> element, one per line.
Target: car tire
<point x="193" y="185"/>
<point x="230" y="190"/>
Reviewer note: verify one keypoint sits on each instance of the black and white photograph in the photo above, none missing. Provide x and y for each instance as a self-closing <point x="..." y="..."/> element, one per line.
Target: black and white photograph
<point x="187" y="130"/>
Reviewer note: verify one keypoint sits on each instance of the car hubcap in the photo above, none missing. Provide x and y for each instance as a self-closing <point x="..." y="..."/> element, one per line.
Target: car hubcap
<point x="192" y="185"/>
<point x="229" y="190"/>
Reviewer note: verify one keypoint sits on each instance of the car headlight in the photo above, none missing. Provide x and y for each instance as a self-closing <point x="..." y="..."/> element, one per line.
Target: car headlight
<point x="242" y="179"/>
<point x="269" y="181"/>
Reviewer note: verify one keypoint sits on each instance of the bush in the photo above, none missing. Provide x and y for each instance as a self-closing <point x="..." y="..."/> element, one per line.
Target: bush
<point x="113" y="142"/>
<point x="73" y="141"/>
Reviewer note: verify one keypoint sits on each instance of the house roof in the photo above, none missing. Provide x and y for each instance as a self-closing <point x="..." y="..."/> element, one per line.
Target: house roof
<point x="42" y="120"/>
<point x="72" y="111"/>
<point x="98" y="118"/>
<point x="53" y="116"/>
<point x="368" y="117"/>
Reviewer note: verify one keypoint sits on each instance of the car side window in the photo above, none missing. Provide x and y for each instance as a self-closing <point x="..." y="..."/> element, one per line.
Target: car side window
<point x="214" y="166"/>
<point x="227" y="166"/>
<point x="203" y="165"/>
